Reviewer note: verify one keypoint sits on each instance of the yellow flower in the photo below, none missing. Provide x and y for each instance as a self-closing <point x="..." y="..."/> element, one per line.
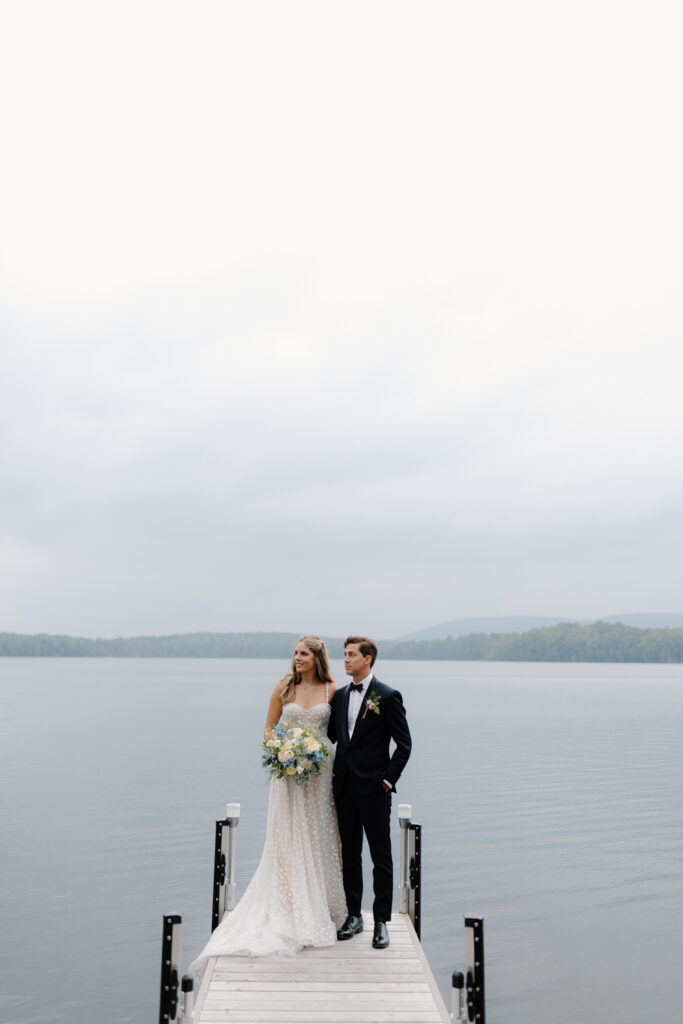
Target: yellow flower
<point x="297" y="732"/>
<point x="312" y="745"/>
<point x="290" y="770"/>
<point x="284" y="754"/>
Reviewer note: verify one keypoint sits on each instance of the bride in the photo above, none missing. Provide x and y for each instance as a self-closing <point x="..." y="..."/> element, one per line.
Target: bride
<point x="296" y="896"/>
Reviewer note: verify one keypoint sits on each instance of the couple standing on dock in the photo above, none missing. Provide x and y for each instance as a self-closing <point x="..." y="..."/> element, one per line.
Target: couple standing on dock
<point x="308" y="887"/>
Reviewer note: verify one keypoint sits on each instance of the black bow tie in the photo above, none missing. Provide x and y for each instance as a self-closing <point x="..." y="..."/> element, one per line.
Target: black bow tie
<point x="358" y="687"/>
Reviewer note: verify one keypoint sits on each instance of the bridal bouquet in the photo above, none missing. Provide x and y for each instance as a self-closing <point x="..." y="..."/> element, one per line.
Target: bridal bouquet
<point x="295" y="752"/>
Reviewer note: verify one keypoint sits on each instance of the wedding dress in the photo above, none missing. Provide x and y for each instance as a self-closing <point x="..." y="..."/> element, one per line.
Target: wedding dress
<point x="296" y="896"/>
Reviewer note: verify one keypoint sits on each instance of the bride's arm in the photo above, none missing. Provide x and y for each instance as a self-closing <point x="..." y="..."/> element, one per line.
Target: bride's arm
<point x="274" y="710"/>
<point x="332" y="724"/>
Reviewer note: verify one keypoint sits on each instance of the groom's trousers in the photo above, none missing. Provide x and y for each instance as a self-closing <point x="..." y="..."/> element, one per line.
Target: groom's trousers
<point x="370" y="814"/>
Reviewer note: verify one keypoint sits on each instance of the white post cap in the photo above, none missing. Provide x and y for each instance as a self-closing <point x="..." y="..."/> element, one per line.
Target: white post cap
<point x="233" y="811"/>
<point x="405" y="811"/>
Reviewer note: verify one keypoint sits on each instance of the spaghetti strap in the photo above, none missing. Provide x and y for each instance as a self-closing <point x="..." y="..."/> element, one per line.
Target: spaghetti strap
<point x="327" y="691"/>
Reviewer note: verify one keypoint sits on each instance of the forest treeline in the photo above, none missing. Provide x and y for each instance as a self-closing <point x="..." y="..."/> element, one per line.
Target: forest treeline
<point x="181" y="645"/>
<point x="569" y="641"/>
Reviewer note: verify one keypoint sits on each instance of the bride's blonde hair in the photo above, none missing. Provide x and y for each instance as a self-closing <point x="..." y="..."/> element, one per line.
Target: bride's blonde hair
<point x="322" y="667"/>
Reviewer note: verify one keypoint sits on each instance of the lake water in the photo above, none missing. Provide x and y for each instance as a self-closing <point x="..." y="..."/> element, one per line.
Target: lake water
<point x="550" y="798"/>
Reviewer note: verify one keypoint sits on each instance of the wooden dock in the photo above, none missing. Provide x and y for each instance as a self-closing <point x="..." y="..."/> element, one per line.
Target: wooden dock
<point x="348" y="983"/>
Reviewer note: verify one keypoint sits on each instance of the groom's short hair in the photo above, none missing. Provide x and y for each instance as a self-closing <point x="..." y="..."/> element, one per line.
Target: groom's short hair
<point x="365" y="646"/>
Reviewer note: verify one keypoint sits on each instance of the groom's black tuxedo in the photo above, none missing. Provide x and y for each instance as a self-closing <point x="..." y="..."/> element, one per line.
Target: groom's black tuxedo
<point x="363" y="759"/>
<point x="362" y="763"/>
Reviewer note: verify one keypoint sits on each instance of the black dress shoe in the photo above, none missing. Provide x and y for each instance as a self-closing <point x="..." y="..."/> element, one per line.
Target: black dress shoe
<point x="380" y="939"/>
<point x="352" y="925"/>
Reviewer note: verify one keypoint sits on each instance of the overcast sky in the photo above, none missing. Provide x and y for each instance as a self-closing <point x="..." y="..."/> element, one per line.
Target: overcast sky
<point x="333" y="317"/>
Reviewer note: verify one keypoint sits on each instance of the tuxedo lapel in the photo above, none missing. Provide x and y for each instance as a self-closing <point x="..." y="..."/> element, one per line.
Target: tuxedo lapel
<point x="344" y="724"/>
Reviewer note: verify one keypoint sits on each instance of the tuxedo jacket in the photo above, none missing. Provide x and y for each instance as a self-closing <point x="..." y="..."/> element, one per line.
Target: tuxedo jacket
<point x="363" y="760"/>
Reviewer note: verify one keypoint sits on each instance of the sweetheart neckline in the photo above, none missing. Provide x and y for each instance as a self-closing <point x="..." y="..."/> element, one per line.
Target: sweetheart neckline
<point x="302" y="708"/>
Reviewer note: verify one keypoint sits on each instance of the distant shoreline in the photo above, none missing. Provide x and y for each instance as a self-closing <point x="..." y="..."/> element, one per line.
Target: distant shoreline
<point x="566" y="642"/>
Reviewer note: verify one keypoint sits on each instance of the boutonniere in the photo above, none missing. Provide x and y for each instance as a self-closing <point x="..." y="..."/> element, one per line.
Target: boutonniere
<point x="372" y="703"/>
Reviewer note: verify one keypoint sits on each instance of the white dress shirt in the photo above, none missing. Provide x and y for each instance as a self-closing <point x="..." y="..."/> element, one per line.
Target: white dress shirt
<point x="355" y="701"/>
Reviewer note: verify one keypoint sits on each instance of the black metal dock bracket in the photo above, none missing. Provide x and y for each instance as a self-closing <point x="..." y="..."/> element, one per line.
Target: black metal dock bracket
<point x="474" y="954"/>
<point x="410" y="884"/>
<point x="223" y="897"/>
<point x="170" y="968"/>
<point x="415" y="874"/>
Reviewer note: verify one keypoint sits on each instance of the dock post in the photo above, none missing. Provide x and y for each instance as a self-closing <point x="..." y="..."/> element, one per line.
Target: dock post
<point x="187" y="1007"/>
<point x="474" y="952"/>
<point x="410" y="885"/>
<point x="405" y="812"/>
<point x="224" y="865"/>
<point x="170" y="967"/>
<point x="458" y="1005"/>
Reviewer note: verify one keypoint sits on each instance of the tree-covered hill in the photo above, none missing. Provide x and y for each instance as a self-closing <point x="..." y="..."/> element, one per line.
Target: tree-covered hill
<point x="182" y="645"/>
<point x="568" y="641"/>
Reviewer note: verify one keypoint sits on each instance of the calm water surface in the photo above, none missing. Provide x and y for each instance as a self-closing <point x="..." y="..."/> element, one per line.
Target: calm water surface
<point x="549" y="795"/>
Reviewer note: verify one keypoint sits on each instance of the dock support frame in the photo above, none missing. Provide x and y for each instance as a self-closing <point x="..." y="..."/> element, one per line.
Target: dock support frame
<point x="224" y="866"/>
<point x="410" y="885"/>
<point x="474" y="954"/>
<point x="171" y="951"/>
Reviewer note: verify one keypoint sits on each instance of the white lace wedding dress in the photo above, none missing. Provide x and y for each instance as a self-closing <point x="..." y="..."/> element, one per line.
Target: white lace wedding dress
<point x="296" y="897"/>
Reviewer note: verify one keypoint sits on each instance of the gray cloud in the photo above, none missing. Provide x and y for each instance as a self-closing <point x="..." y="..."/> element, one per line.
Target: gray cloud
<point x="284" y="348"/>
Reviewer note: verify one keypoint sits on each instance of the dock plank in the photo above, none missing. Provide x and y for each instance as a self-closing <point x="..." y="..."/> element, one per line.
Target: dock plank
<point x="348" y="983"/>
<point x="329" y="983"/>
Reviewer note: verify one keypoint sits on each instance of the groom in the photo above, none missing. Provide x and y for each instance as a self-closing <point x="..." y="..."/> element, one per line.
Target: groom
<point x="365" y="717"/>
